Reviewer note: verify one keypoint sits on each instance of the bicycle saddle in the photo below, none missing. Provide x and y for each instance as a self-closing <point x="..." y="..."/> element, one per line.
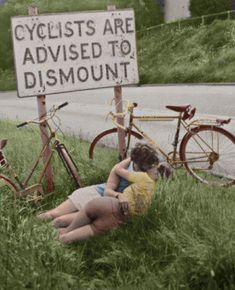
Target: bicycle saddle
<point x="178" y="108"/>
<point x="3" y="143"/>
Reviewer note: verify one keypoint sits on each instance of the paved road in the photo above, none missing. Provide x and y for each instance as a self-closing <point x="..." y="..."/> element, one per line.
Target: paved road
<point x="85" y="115"/>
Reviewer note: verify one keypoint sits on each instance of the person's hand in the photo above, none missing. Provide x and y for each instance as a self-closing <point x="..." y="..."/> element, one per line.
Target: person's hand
<point x="165" y="170"/>
<point x="123" y="202"/>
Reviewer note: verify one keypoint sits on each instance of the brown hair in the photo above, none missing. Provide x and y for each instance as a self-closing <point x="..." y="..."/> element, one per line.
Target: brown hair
<point x="144" y="156"/>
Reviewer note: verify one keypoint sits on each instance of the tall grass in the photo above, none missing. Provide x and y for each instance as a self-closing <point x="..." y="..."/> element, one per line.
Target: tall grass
<point x="188" y="54"/>
<point x="186" y="241"/>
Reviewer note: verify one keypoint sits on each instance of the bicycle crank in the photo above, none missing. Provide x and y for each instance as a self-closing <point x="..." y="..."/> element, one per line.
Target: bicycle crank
<point x="212" y="158"/>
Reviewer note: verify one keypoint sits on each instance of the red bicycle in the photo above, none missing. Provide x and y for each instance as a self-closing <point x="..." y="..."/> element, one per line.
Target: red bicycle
<point x="26" y="187"/>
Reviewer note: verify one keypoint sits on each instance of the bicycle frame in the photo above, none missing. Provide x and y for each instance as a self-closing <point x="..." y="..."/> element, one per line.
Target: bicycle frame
<point x="181" y="122"/>
<point x="172" y="160"/>
<point x="22" y="188"/>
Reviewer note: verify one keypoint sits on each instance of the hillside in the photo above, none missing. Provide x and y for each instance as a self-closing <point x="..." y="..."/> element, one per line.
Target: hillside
<point x="189" y="54"/>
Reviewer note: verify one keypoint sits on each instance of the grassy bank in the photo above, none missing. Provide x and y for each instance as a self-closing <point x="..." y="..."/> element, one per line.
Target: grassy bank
<point x="188" y="54"/>
<point x="186" y="240"/>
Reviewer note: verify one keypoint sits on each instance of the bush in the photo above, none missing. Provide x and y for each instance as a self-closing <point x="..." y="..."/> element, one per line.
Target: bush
<point x="205" y="7"/>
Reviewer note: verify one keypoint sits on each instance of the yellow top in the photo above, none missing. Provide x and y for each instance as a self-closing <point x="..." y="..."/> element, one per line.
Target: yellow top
<point x="140" y="192"/>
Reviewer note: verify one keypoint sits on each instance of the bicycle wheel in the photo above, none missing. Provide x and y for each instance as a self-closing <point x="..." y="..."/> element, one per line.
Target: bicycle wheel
<point x="208" y="153"/>
<point x="69" y="164"/>
<point x="104" y="148"/>
<point x="6" y="184"/>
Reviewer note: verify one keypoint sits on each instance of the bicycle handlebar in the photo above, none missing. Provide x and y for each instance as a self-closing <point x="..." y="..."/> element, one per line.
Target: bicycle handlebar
<point x="48" y="116"/>
<point x="62" y="105"/>
<point x="115" y="116"/>
<point x="130" y="107"/>
<point x="21" y="124"/>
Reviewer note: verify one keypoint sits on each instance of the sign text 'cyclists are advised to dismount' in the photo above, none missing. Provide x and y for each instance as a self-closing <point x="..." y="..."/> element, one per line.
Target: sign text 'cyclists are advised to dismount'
<point x="57" y="53"/>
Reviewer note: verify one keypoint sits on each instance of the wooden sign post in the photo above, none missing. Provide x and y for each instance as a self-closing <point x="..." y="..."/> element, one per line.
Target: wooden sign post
<point x="119" y="109"/>
<point x="41" y="101"/>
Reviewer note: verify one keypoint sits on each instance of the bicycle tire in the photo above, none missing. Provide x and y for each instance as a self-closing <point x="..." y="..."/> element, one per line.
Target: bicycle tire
<point x="69" y="164"/>
<point x="208" y="153"/>
<point x="108" y="140"/>
<point x="9" y="184"/>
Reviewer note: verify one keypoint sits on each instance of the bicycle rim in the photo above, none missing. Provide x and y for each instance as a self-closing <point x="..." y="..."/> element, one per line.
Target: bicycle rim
<point x="208" y="153"/>
<point x="104" y="148"/>
<point x="7" y="185"/>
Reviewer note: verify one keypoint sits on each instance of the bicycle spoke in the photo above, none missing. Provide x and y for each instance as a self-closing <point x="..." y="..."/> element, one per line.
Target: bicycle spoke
<point x="209" y="154"/>
<point x="104" y="147"/>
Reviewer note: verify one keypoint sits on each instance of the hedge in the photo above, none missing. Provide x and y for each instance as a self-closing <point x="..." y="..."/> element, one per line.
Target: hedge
<point x="205" y="7"/>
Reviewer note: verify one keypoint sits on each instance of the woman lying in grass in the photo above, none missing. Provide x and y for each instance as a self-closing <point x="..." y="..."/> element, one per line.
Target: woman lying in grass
<point x="64" y="213"/>
<point x="101" y="215"/>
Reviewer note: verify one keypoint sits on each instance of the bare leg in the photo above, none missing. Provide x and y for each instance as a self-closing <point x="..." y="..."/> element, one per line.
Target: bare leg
<point x="64" y="220"/>
<point x="79" y="220"/>
<point x="79" y="234"/>
<point x="97" y="217"/>
<point x="65" y="207"/>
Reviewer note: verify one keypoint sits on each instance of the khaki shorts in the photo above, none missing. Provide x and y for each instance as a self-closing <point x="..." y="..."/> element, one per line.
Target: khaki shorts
<point x="82" y="196"/>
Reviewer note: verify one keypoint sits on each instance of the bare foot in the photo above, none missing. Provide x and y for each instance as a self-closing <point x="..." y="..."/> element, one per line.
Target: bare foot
<point x="62" y="231"/>
<point x="59" y="223"/>
<point x="45" y="216"/>
<point x="65" y="239"/>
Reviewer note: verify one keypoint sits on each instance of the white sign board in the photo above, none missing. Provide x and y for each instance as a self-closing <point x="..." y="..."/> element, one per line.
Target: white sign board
<point x="58" y="53"/>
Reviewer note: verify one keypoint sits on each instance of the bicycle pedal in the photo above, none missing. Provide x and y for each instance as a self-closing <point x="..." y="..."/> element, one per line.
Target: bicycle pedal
<point x="31" y="189"/>
<point x="34" y="199"/>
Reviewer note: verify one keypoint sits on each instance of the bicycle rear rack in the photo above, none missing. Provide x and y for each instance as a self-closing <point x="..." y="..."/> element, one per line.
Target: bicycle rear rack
<point x="209" y="122"/>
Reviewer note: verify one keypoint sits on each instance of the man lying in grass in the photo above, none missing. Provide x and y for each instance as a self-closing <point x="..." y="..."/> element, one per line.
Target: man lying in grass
<point x="97" y="215"/>
<point x="101" y="215"/>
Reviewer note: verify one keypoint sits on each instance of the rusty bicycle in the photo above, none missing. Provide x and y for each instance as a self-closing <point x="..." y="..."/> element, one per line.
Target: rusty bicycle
<point x="22" y="188"/>
<point x="207" y="151"/>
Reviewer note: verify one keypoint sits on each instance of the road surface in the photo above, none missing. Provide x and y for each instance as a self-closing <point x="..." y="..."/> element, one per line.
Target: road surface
<point x="86" y="114"/>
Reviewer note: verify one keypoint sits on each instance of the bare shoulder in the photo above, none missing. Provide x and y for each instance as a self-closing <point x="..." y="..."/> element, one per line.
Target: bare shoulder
<point x="123" y="164"/>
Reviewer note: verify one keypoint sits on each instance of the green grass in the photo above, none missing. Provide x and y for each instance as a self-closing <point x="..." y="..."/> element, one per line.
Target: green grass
<point x="186" y="241"/>
<point x="188" y="54"/>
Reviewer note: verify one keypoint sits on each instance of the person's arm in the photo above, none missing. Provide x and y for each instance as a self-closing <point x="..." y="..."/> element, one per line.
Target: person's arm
<point x="123" y="172"/>
<point x="114" y="178"/>
<point x="112" y="184"/>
